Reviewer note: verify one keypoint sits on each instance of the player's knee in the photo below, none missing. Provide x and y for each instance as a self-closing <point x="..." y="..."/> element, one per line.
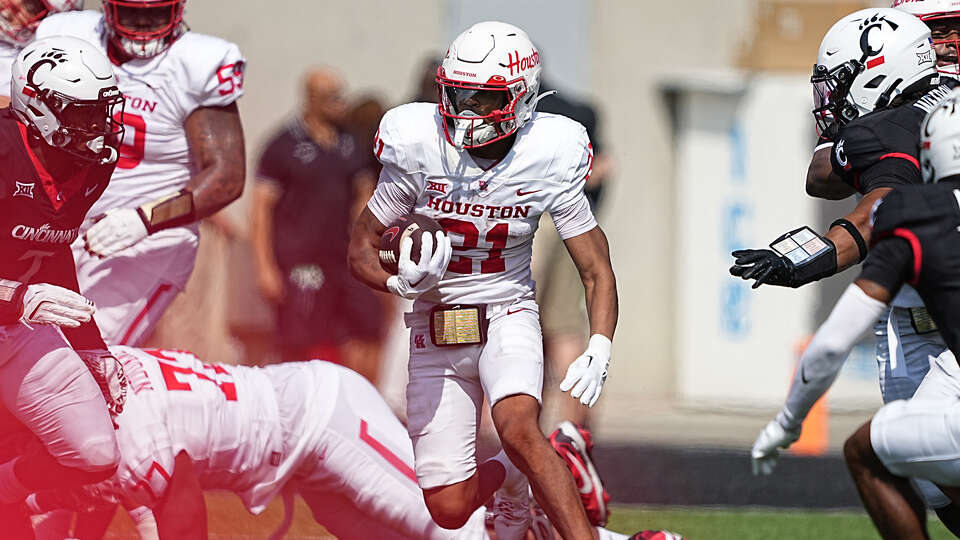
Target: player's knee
<point x="857" y="450"/>
<point x="519" y="437"/>
<point x="449" y="513"/>
<point x="98" y="457"/>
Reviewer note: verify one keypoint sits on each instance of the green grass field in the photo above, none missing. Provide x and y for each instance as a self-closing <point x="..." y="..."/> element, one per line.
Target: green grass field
<point x="736" y="524"/>
<point x="228" y="519"/>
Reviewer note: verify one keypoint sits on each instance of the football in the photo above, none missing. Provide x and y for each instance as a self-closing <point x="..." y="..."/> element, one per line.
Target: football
<point x="410" y="225"/>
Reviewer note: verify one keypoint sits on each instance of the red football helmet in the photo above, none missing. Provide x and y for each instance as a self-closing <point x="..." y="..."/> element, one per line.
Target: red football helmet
<point x="19" y="18"/>
<point x="144" y="28"/>
<point x="943" y="18"/>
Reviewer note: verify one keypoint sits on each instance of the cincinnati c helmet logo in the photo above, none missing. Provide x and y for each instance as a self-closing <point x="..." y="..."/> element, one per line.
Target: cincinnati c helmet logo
<point x="867" y="26"/>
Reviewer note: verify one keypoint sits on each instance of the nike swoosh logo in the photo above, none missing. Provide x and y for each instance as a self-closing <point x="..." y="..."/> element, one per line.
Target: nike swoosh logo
<point x="522" y="193"/>
<point x="831" y="53"/>
<point x="90" y="190"/>
<point x="518" y="310"/>
<point x="803" y="376"/>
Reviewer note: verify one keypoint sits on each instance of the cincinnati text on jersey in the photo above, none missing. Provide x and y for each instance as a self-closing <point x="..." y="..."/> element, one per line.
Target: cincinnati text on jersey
<point x="45" y="234"/>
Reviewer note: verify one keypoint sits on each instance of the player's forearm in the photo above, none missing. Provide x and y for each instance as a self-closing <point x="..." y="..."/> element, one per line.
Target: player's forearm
<point x="820" y="364"/>
<point x="600" y="291"/>
<point x="182" y="513"/>
<point x="215" y="137"/>
<point x="848" y="251"/>
<point x="363" y="252"/>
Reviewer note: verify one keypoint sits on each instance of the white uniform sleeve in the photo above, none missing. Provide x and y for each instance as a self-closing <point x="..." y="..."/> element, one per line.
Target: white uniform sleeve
<point x="820" y="364"/>
<point x="570" y="210"/>
<point x="220" y="82"/>
<point x="397" y="190"/>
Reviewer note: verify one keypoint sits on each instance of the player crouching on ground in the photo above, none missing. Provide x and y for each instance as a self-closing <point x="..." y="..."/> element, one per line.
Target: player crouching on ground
<point x="486" y="166"/>
<point x="58" y="151"/>
<point x="916" y="237"/>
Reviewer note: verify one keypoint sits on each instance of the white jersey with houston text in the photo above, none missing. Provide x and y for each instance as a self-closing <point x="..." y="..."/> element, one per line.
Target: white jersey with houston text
<point x="228" y="419"/>
<point x="161" y="92"/>
<point x="490" y="215"/>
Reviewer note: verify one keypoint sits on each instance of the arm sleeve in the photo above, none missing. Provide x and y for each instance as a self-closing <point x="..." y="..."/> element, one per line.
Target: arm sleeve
<point x="576" y="175"/>
<point x="224" y="84"/>
<point x="854" y="313"/>
<point x="397" y="189"/>
<point x="394" y="197"/>
<point x="575" y="219"/>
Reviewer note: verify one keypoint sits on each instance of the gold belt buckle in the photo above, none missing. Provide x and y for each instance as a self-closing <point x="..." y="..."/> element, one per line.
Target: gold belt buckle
<point x="461" y="324"/>
<point x="922" y="321"/>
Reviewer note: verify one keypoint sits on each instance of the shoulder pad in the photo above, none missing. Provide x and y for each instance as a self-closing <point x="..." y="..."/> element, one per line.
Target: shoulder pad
<point x="211" y="68"/>
<point x="572" y="152"/>
<point x="404" y="131"/>
<point x="84" y="24"/>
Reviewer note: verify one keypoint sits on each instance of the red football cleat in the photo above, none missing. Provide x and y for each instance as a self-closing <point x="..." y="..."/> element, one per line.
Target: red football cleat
<point x="656" y="535"/>
<point x="573" y="444"/>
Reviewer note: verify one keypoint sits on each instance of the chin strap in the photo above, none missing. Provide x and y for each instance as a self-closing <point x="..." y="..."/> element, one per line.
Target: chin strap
<point x="543" y="95"/>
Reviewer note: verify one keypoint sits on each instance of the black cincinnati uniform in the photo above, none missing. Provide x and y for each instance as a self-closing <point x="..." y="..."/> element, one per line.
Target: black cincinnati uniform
<point x="40" y="216"/>
<point x="917" y="241"/>
<point x="881" y="149"/>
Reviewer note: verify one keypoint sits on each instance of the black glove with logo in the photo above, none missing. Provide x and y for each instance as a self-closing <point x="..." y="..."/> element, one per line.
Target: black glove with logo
<point x="796" y="258"/>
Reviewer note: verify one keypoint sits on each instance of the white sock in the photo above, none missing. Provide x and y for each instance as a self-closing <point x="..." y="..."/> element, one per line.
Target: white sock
<point x="515" y="484"/>
<point x="606" y="534"/>
<point x="11" y="490"/>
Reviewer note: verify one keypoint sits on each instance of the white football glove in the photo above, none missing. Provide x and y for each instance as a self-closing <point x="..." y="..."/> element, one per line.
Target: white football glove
<point x="44" y="303"/>
<point x="588" y="372"/>
<point x="118" y="229"/>
<point x="108" y="372"/>
<point x="766" y="449"/>
<point x="414" y="279"/>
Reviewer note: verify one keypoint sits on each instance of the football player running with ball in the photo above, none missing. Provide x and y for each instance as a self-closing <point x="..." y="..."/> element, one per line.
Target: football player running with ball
<point x="485" y="166"/>
<point x="59" y="140"/>
<point x="182" y="158"/>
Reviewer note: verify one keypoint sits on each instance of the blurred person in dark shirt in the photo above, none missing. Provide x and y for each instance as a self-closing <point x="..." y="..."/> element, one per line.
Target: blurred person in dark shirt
<point x="309" y="178"/>
<point x="562" y="314"/>
<point x="426" y="90"/>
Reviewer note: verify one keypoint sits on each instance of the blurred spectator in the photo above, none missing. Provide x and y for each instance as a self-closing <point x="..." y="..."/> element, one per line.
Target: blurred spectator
<point x="563" y="315"/>
<point x="426" y="90"/>
<point x="309" y="178"/>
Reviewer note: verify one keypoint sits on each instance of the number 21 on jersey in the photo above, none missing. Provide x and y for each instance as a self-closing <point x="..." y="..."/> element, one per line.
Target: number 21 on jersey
<point x="496" y="236"/>
<point x="177" y="377"/>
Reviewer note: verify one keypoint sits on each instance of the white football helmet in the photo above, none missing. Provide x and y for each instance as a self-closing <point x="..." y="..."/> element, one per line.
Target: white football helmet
<point x="65" y="91"/>
<point x="867" y="59"/>
<point x="144" y="28"/>
<point x="940" y="140"/>
<point x="19" y="18"/>
<point x="943" y="18"/>
<point x="489" y="83"/>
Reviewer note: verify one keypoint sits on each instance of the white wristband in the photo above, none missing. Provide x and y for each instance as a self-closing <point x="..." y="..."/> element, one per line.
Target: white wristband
<point x="600" y="343"/>
<point x="393" y="285"/>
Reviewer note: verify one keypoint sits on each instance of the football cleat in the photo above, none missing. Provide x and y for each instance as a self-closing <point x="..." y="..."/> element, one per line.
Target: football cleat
<point x="656" y="535"/>
<point x="541" y="527"/>
<point x="512" y="516"/>
<point x="573" y="444"/>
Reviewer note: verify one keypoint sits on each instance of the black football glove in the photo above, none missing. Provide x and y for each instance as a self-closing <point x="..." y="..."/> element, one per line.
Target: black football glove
<point x="762" y="266"/>
<point x="768" y="266"/>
